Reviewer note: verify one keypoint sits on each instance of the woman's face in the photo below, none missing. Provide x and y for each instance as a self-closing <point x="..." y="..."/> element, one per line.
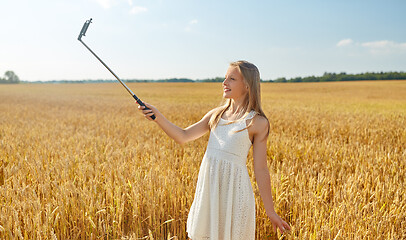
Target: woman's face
<point x="233" y="84"/>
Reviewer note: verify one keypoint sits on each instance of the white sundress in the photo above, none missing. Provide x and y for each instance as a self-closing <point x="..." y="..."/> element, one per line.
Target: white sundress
<point x="224" y="204"/>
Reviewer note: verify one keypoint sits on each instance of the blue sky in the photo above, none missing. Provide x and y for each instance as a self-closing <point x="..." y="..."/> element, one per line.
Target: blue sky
<point x="156" y="39"/>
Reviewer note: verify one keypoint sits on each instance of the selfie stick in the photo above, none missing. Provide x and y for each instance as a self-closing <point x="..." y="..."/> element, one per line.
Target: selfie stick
<point x="82" y="33"/>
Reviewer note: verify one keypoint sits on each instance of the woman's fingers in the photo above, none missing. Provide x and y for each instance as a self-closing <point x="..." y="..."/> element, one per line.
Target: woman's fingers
<point x="278" y="223"/>
<point x="148" y="110"/>
<point x="147" y="113"/>
<point x="282" y="226"/>
<point x="286" y="225"/>
<point x="141" y="108"/>
<point x="149" y="116"/>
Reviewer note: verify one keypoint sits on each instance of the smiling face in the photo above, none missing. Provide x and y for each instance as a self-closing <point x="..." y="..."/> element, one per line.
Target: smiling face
<point x="233" y="84"/>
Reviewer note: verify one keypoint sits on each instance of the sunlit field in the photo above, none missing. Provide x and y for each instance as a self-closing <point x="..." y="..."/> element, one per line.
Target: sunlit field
<point x="78" y="161"/>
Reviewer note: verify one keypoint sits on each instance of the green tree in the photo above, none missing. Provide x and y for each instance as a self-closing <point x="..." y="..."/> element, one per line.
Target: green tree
<point x="281" y="80"/>
<point x="11" y="77"/>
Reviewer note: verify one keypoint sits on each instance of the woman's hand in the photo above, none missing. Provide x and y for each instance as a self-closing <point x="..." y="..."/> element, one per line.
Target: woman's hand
<point x="149" y="112"/>
<point x="277" y="222"/>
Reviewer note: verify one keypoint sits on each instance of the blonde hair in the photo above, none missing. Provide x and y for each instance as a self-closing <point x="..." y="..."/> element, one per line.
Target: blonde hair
<point x="252" y="100"/>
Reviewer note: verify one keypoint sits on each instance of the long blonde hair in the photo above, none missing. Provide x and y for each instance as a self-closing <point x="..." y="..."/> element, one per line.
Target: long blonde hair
<point x="252" y="100"/>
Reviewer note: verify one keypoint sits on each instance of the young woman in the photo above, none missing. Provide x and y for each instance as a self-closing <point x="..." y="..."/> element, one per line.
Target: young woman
<point x="224" y="206"/>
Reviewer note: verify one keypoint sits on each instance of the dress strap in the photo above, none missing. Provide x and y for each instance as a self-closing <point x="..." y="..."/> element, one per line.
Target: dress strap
<point x="250" y="115"/>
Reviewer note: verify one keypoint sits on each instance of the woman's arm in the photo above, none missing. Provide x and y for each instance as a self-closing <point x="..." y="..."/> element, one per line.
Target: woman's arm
<point x="260" y="128"/>
<point x="180" y="135"/>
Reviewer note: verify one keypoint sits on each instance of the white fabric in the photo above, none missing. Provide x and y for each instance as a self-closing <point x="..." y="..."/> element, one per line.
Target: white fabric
<point x="224" y="204"/>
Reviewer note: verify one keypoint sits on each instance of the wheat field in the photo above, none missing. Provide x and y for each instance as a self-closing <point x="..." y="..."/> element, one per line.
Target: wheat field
<point x="78" y="161"/>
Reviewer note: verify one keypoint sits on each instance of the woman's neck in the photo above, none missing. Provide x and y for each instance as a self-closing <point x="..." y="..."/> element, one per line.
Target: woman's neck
<point x="237" y="107"/>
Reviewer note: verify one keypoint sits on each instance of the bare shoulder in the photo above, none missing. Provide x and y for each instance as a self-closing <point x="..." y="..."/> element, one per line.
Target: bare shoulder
<point x="260" y="123"/>
<point x="260" y="128"/>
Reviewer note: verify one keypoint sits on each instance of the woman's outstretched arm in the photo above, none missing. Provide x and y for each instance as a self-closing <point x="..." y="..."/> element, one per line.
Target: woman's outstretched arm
<point x="260" y="128"/>
<point x="178" y="134"/>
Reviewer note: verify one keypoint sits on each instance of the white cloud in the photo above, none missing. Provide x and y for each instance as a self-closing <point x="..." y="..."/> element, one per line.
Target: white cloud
<point x="138" y="9"/>
<point x="189" y="26"/>
<point x="194" y="21"/>
<point x="110" y="3"/>
<point x="105" y="3"/>
<point x="383" y="44"/>
<point x="345" y="42"/>
<point x="384" y="47"/>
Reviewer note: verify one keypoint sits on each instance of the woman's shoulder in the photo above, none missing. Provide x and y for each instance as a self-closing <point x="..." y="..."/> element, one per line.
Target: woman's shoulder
<point x="260" y="123"/>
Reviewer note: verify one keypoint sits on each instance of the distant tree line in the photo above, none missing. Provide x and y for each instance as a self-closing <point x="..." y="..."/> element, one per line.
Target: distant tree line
<point x="217" y="79"/>
<point x="163" y="80"/>
<point x="114" y="80"/>
<point x="331" y="77"/>
<point x="10" y="77"/>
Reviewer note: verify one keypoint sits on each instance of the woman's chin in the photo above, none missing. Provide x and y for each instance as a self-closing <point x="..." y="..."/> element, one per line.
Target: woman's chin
<point x="227" y="94"/>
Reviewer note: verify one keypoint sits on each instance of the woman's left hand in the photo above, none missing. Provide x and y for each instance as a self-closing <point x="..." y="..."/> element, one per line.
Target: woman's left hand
<point x="277" y="222"/>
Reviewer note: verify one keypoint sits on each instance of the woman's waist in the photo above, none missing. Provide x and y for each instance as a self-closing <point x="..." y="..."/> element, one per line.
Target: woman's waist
<point x="226" y="155"/>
